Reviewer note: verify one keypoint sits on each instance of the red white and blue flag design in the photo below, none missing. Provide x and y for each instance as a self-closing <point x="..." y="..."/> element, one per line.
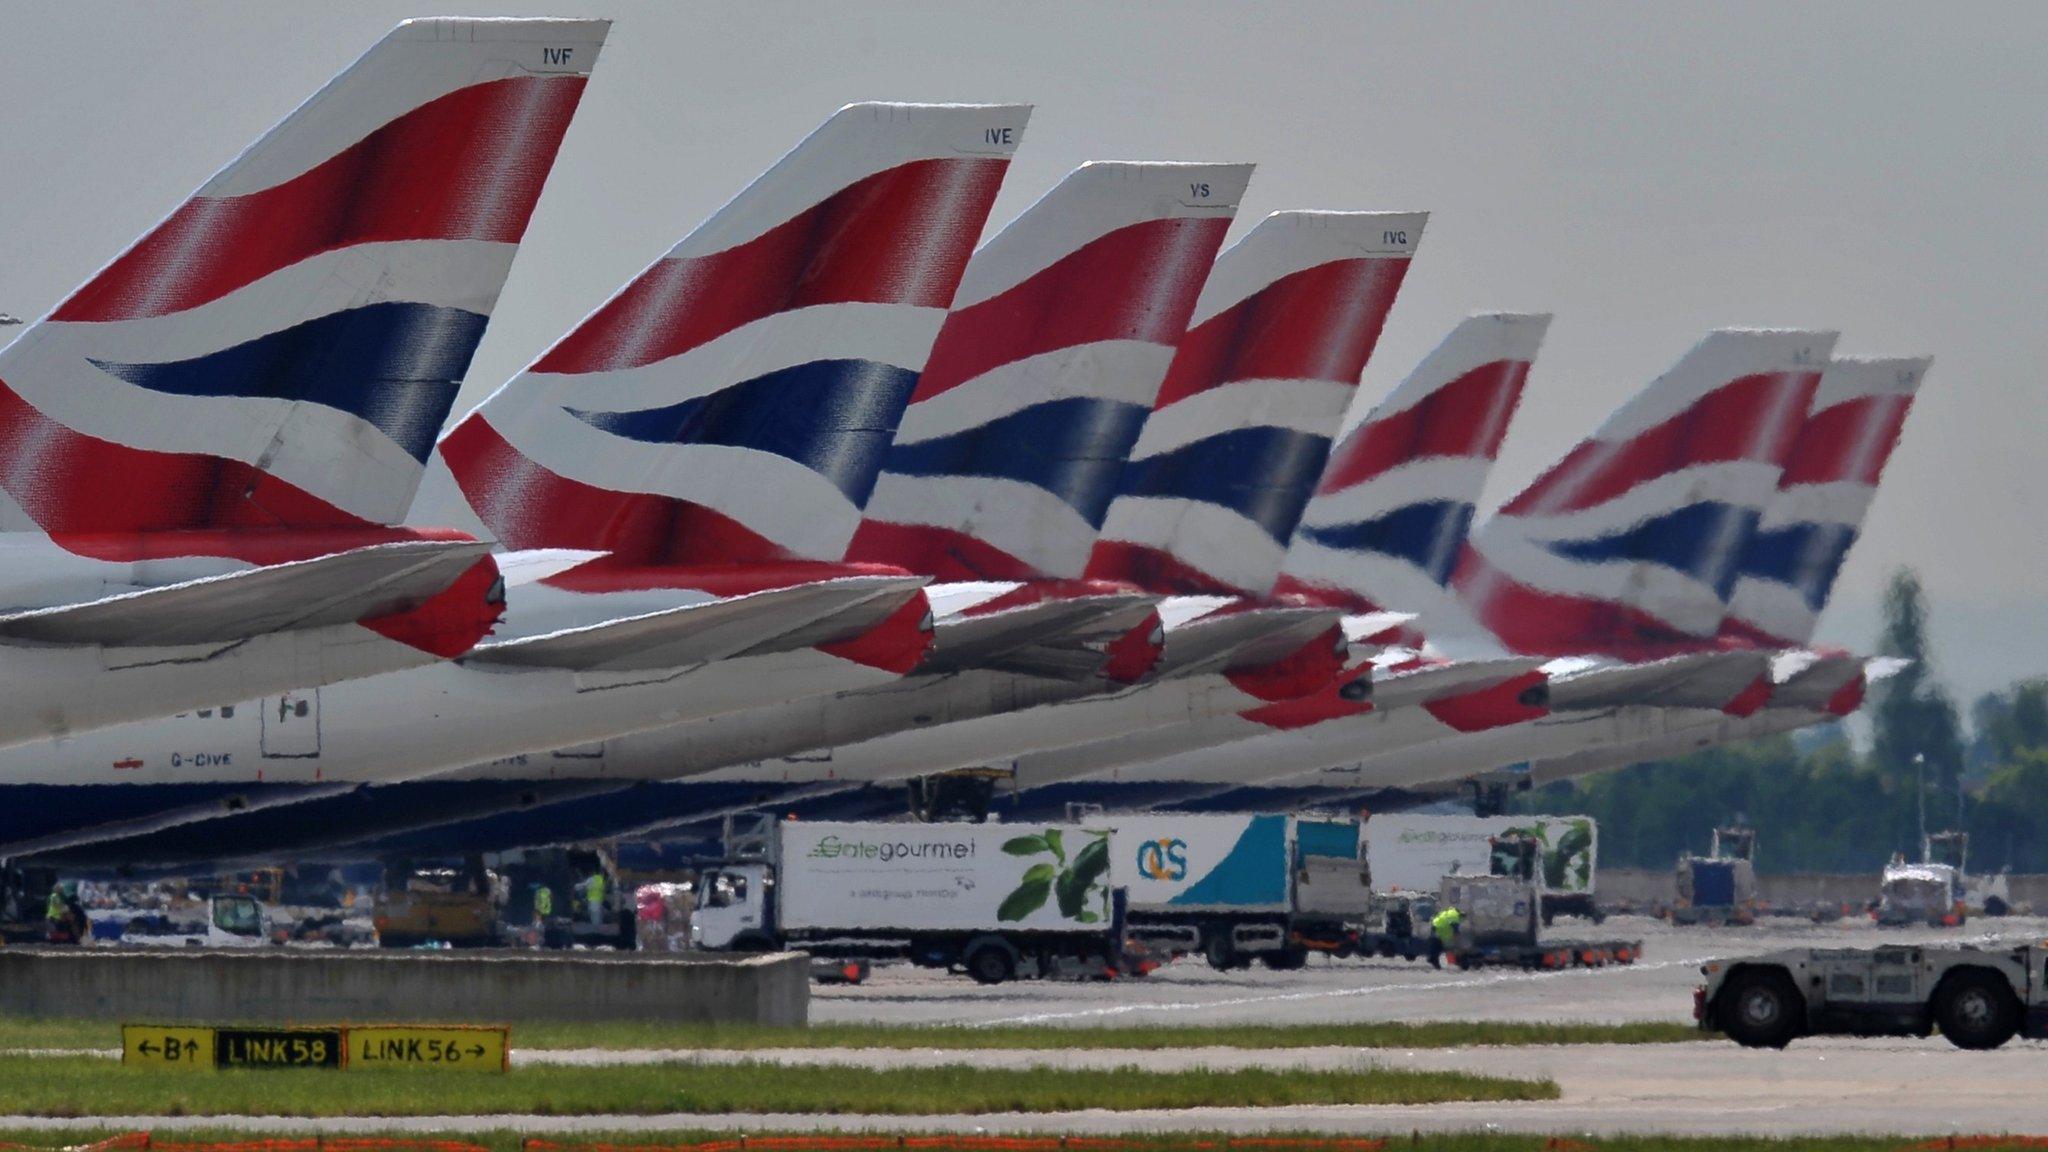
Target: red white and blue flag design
<point x="732" y="404"/>
<point x="1044" y="371"/>
<point x="1242" y="425"/>
<point x="1629" y="546"/>
<point x="1789" y="567"/>
<point x="1391" y="514"/>
<point x="280" y="351"/>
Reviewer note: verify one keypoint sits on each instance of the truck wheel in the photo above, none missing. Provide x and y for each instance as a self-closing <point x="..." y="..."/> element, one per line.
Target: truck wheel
<point x="1760" y="1009"/>
<point x="1218" y="952"/>
<point x="1976" y="1010"/>
<point x="990" y="964"/>
<point x="1286" y="960"/>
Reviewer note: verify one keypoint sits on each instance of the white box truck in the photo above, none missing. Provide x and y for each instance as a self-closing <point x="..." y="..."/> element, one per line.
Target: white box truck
<point x="1236" y="888"/>
<point x="993" y="900"/>
<point x="1410" y="853"/>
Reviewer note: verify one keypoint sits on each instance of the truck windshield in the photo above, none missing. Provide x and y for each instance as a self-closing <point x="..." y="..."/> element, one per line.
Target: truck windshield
<point x="239" y="916"/>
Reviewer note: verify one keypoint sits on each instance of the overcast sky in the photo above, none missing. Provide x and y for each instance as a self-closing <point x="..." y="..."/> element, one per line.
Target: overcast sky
<point x="1644" y="172"/>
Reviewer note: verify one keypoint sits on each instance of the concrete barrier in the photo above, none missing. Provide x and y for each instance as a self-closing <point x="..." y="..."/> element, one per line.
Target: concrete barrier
<point x="262" y="985"/>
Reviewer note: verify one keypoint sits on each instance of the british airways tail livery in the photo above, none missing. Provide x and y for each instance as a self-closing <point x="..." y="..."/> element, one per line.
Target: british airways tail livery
<point x="1242" y="425"/>
<point x="1386" y="523"/>
<point x="1628" y="547"/>
<point x="1044" y="371"/>
<point x="733" y="403"/>
<point x="204" y="450"/>
<point x="1789" y="566"/>
<point x="280" y="351"/>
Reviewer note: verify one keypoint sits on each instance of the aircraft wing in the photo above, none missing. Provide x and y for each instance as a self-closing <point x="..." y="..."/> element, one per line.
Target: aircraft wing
<point x="143" y="814"/>
<point x="1816" y="683"/>
<point x="1706" y="680"/>
<point x="1058" y="638"/>
<point x="1422" y="685"/>
<point x="335" y="589"/>
<point x="1229" y="641"/>
<point x="779" y="620"/>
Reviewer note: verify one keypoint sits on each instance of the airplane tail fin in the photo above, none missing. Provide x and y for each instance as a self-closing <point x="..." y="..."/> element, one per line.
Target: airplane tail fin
<point x="732" y="404"/>
<point x="1242" y="426"/>
<point x="280" y="351"/>
<point x="1628" y="546"/>
<point x="1386" y="523"/>
<point x="1789" y="567"/>
<point x="1054" y="351"/>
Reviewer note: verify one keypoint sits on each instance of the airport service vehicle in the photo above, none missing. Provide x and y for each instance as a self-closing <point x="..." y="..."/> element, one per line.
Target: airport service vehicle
<point x="231" y="922"/>
<point x="994" y="901"/>
<point x="1414" y="852"/>
<point x="1238" y="888"/>
<point x="1503" y="913"/>
<point x="460" y="907"/>
<point x="1930" y="894"/>
<point x="1985" y="895"/>
<point x="1976" y="997"/>
<point x="1720" y="887"/>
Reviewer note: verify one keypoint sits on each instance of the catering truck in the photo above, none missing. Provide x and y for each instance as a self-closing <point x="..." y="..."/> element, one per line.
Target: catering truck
<point x="1975" y="997"/>
<point x="1239" y="888"/>
<point x="1410" y="853"/>
<point x="993" y="900"/>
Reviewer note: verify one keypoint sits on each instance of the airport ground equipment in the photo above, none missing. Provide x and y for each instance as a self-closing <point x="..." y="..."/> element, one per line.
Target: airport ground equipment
<point x="458" y="906"/>
<point x="1242" y="887"/>
<point x="1975" y="997"/>
<point x="995" y="901"/>
<point x="1720" y="887"/>
<point x="1503" y="916"/>
<point x="1985" y="895"/>
<point x="232" y="921"/>
<point x="1413" y="853"/>
<point x="1398" y="926"/>
<point x="1928" y="892"/>
<point x="24" y="899"/>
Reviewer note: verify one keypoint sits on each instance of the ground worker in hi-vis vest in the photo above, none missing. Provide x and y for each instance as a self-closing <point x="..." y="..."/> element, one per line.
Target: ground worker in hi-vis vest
<point x="1444" y="933"/>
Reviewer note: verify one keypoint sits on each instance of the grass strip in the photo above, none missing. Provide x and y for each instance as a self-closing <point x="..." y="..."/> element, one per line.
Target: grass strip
<point x="75" y="1086"/>
<point x="503" y="1141"/>
<point x="18" y="1033"/>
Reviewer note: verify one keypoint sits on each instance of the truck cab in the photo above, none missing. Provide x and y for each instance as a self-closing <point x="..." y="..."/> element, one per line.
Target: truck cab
<point x="735" y="908"/>
<point x="233" y="921"/>
<point x="237" y="922"/>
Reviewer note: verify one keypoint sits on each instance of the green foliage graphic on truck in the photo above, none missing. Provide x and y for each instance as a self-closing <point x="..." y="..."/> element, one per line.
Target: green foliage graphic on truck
<point x="1567" y="851"/>
<point x="1414" y="852"/>
<point x="1071" y="882"/>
